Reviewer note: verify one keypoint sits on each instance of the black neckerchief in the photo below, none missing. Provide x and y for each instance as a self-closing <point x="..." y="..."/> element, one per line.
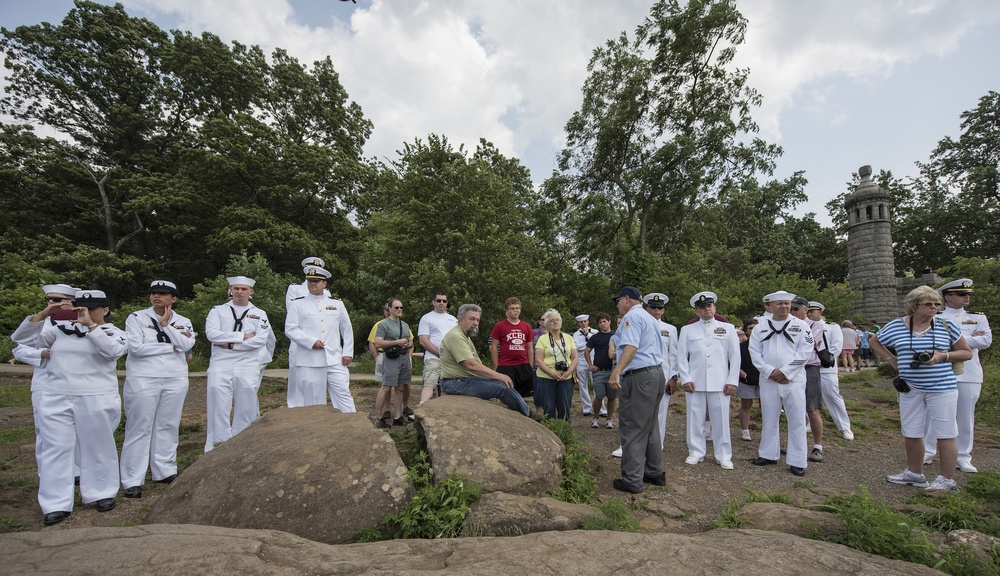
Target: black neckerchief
<point x="162" y="336"/>
<point x="586" y="335"/>
<point x="776" y="331"/>
<point x="74" y="332"/>
<point x="238" y="322"/>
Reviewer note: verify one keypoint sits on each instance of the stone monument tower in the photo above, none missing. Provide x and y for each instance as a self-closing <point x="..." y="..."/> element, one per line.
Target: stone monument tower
<point x="870" y="263"/>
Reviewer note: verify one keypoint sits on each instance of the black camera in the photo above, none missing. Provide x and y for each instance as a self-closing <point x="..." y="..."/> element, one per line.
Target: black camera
<point x="561" y="366"/>
<point x="920" y="358"/>
<point x="900" y="385"/>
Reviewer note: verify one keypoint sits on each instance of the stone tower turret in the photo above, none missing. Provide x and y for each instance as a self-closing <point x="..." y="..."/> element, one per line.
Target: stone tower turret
<point x="869" y="250"/>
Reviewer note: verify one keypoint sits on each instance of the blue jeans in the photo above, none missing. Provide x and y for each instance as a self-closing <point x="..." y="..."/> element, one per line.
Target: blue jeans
<point x="487" y="389"/>
<point x="556" y="396"/>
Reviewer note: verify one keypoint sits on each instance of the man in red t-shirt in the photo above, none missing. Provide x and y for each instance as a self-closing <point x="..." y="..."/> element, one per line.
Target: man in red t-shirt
<point x="511" y="349"/>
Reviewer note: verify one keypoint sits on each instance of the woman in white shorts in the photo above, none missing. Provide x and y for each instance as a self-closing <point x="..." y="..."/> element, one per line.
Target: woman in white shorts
<point x="925" y="348"/>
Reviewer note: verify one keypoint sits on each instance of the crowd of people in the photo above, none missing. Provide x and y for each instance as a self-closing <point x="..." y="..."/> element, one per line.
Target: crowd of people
<point x="788" y="358"/>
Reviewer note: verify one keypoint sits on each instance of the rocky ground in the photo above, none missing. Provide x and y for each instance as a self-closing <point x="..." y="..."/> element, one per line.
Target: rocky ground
<point x="691" y="501"/>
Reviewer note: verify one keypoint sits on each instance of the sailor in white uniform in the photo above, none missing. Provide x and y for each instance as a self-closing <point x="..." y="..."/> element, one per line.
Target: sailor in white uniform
<point x="321" y="327"/>
<point x="708" y="363"/>
<point x="779" y="347"/>
<point x="156" y="383"/>
<point x="580" y="337"/>
<point x="830" y="337"/>
<point x="297" y="291"/>
<point x="237" y="331"/>
<point x="655" y="303"/>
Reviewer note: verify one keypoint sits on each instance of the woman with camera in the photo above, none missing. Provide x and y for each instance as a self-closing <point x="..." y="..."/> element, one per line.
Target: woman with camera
<point x="925" y="349"/>
<point x="556" y="358"/>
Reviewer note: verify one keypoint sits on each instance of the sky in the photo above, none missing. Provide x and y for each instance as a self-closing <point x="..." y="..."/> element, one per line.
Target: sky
<point x="845" y="82"/>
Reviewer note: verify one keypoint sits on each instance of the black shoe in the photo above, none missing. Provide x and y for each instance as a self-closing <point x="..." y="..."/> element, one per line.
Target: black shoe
<point x="398" y="421"/>
<point x="387" y="415"/>
<point x="409" y="413"/>
<point x="536" y="416"/>
<point x="382" y="423"/>
<point x="76" y="481"/>
<point x="133" y="492"/>
<point x="105" y="504"/>
<point x="797" y="471"/>
<point x="55" y="518"/>
<point x="167" y="480"/>
<point x="587" y="413"/>
<point x="620" y="484"/>
<point x="763" y="462"/>
<point x="660" y="480"/>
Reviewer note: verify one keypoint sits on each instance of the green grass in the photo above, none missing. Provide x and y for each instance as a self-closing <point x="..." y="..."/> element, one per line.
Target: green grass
<point x="13" y="524"/>
<point x="16" y="435"/>
<point x="579" y="482"/>
<point x="729" y="517"/>
<point x="615" y="515"/>
<point x="15" y="395"/>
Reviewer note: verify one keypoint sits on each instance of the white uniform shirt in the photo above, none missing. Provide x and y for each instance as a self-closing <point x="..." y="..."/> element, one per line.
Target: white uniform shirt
<point x="313" y="318"/>
<point x="435" y="325"/>
<point x="708" y="354"/>
<point x="83" y="366"/>
<point x="770" y="350"/>
<point x="147" y="356"/>
<point x="970" y="324"/>
<point x="580" y="340"/>
<point x="668" y="337"/>
<point x="834" y="342"/>
<point x="220" y="328"/>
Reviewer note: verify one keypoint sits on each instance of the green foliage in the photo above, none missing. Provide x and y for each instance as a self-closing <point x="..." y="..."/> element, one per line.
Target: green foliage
<point x="615" y="515"/>
<point x="729" y="517"/>
<point x="16" y="435"/>
<point x="579" y="482"/>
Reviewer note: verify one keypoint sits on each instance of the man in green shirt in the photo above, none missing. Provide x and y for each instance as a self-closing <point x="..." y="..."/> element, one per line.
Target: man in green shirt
<point x="462" y="372"/>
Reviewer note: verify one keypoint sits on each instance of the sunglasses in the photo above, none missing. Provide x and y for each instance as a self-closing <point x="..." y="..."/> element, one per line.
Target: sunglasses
<point x="57" y="299"/>
<point x="656" y="307"/>
<point x="397" y="307"/>
<point x="441" y="301"/>
<point x="961" y="293"/>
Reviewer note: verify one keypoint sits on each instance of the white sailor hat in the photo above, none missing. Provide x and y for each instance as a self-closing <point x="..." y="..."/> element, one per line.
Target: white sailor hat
<point x="90" y="299"/>
<point x="779" y="295"/>
<point x="59" y="289"/>
<point x="702" y="299"/>
<point x="316" y="273"/>
<point x="162" y="287"/>
<point x="813" y="305"/>
<point x="583" y="317"/>
<point x="313" y="261"/>
<point x="957" y="286"/>
<point x="656" y="299"/>
<point x="241" y="281"/>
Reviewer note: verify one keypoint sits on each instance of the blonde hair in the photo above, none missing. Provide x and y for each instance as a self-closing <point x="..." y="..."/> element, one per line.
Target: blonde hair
<point x="912" y="300"/>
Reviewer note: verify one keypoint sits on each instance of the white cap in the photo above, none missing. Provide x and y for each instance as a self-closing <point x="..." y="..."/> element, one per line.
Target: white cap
<point x="657" y="297"/>
<point x="583" y="317"/>
<point x="704" y="298"/>
<point x="313" y="261"/>
<point x="316" y="273"/>
<point x="778" y="296"/>
<point x="241" y="281"/>
<point x="813" y="305"/>
<point x="60" y="289"/>
<point x="960" y="285"/>
<point x="90" y="299"/>
<point x="163" y="286"/>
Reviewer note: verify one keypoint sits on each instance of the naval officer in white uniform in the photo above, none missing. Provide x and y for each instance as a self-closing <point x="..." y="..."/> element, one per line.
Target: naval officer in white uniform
<point x="297" y="291"/>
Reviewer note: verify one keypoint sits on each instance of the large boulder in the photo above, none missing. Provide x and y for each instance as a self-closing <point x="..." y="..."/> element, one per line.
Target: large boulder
<point x="502" y="514"/>
<point x="170" y="550"/>
<point x="494" y="447"/>
<point x="311" y="471"/>
<point x="790" y="519"/>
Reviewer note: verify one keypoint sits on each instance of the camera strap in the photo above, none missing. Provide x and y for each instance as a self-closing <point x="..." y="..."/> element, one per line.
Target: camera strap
<point x="933" y="335"/>
<point x="561" y="348"/>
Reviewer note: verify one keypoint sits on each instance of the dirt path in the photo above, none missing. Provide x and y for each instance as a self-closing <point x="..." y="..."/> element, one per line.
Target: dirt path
<point x="693" y="498"/>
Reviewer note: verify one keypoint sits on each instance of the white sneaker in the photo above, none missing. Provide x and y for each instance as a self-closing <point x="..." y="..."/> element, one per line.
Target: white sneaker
<point x="726" y="465"/>
<point x="617" y="453"/>
<point x="966" y="466"/>
<point x="610" y="425"/>
<point x="848" y="435"/>
<point x="942" y="483"/>
<point x="908" y="478"/>
<point x="746" y="435"/>
<point x="595" y="423"/>
<point x="692" y="460"/>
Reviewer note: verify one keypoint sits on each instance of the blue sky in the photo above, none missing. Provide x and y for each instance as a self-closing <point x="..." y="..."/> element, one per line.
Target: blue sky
<point x="845" y="82"/>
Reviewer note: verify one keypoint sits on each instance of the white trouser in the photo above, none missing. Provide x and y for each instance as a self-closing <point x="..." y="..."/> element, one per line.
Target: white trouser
<point x="661" y="417"/>
<point x="379" y="360"/>
<point x="152" y="416"/>
<point x="231" y="390"/>
<point x="36" y="400"/>
<point x="830" y="383"/>
<point x="294" y="393"/>
<point x="68" y="421"/>
<point x="968" y="396"/>
<point x="316" y="381"/>
<point x="583" y="378"/>
<point x="791" y="397"/>
<point x="717" y="406"/>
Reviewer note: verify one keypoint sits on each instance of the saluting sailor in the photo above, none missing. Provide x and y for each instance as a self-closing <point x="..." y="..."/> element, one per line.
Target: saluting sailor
<point x="237" y="331"/>
<point x="297" y="291"/>
<point x="779" y="347"/>
<point x="976" y="329"/>
<point x="156" y="383"/>
<point x="655" y="303"/>
<point x="708" y="361"/>
<point x="322" y="329"/>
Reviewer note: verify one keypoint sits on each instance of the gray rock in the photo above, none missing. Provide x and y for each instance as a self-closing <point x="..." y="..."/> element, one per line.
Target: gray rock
<point x="171" y="550"/>
<point x="789" y="519"/>
<point x="310" y="471"/>
<point x="502" y="514"/>
<point x="982" y="545"/>
<point x="494" y="447"/>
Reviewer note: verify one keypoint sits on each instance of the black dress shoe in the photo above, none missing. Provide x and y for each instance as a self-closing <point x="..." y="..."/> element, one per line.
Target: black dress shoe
<point x="55" y="517"/>
<point x="167" y="480"/>
<point x="133" y="492"/>
<point x="797" y="471"/>
<point x="763" y="462"/>
<point x="76" y="481"/>
<point x="660" y="480"/>
<point x="620" y="484"/>
<point x="105" y="504"/>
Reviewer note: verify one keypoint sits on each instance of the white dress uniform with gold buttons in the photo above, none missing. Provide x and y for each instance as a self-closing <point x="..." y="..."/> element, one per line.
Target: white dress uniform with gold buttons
<point x="784" y="345"/>
<point x="708" y="354"/>
<point x="297" y="291"/>
<point x="322" y="318"/>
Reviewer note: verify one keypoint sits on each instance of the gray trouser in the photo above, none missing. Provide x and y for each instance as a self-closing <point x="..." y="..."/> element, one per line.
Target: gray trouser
<point x="642" y="452"/>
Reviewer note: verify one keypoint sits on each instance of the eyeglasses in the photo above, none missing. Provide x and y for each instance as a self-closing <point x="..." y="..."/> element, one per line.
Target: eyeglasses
<point x="56" y="299"/>
<point x="929" y="304"/>
<point x="397" y="307"/>
<point x="440" y="301"/>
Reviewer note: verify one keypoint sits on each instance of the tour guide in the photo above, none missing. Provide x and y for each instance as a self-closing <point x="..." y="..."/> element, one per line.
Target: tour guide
<point x="463" y="374"/>
<point x="639" y="377"/>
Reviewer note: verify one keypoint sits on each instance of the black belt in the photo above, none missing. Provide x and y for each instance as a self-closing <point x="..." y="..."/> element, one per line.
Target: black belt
<point x="637" y="370"/>
<point x="443" y="380"/>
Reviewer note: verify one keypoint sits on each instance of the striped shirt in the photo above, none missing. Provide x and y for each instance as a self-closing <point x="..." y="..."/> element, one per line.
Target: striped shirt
<point x="927" y="377"/>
